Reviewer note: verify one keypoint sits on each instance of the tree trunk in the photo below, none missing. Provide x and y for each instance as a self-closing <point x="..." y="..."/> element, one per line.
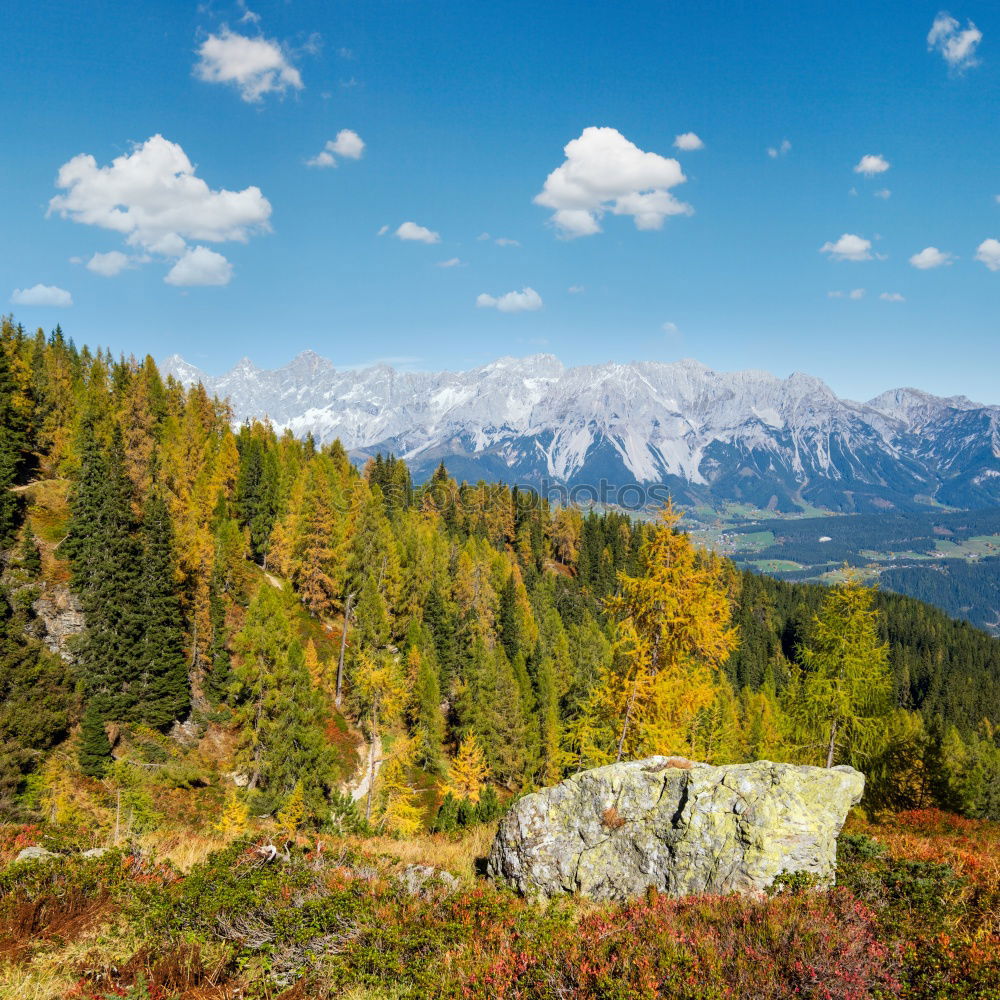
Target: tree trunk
<point x="628" y="712"/>
<point x="833" y="743"/>
<point x="343" y="645"/>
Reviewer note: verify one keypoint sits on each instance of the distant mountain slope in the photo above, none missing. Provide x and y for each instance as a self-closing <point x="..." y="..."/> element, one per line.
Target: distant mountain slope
<point x="709" y="436"/>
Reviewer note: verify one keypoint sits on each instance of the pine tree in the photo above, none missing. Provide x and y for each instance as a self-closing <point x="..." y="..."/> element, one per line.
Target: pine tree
<point x="106" y="564"/>
<point x="446" y="820"/>
<point x="846" y="686"/>
<point x="30" y="557"/>
<point x="428" y="721"/>
<point x="162" y="691"/>
<point x="372" y="627"/>
<point x="94" y="748"/>
<point x="280" y="718"/>
<point x="491" y="706"/>
<point x="489" y="807"/>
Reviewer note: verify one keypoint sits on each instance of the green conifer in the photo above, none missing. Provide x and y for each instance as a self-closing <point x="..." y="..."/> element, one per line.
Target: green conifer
<point x="94" y="748"/>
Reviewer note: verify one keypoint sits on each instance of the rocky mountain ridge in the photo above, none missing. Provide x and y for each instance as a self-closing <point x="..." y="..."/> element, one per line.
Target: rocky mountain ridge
<point x="745" y="436"/>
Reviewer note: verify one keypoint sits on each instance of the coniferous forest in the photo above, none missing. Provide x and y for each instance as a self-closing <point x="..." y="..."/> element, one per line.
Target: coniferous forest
<point x="227" y="633"/>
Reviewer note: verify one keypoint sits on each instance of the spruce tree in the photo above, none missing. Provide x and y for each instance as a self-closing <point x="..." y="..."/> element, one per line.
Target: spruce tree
<point x="162" y="692"/>
<point x="280" y="718"/>
<point x="846" y="688"/>
<point x="29" y="556"/>
<point x="93" y="748"/>
<point x="106" y="564"/>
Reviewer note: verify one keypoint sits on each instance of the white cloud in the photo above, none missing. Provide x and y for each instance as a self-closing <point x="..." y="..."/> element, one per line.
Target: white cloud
<point x="503" y="241"/>
<point x="109" y="264"/>
<point x="154" y="199"/>
<point x="576" y="289"/>
<point x="855" y="294"/>
<point x="930" y="257"/>
<point x="688" y="142"/>
<point x="848" y="247"/>
<point x="410" y="231"/>
<point x="451" y="262"/>
<point x="871" y="164"/>
<point x="382" y="231"/>
<point x="780" y="150"/>
<point x="604" y="172"/>
<point x="669" y="327"/>
<point x="41" y="295"/>
<point x="200" y="266"/>
<point x="892" y="297"/>
<point x="988" y="252"/>
<point x="348" y="145"/>
<point x="884" y="194"/>
<point x="255" y="66"/>
<point x="483" y="236"/>
<point x="996" y="198"/>
<point x="526" y="300"/>
<point x="957" y="46"/>
<point x="248" y="15"/>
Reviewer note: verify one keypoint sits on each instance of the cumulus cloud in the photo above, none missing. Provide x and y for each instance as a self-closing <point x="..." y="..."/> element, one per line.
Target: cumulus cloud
<point x="892" y="297"/>
<point x="780" y="150"/>
<point x="41" y="295"/>
<point x="575" y="289"/>
<point x="382" y="231"/>
<point x="451" y="262"/>
<point x="200" y="266"/>
<point x="153" y="197"/>
<point x="526" y="300"/>
<point x="109" y="264"/>
<point x="503" y="241"/>
<point x="688" y="142"/>
<point x="884" y="194"/>
<point x="930" y="257"/>
<point x="855" y="294"/>
<point x="255" y="66"/>
<point x="957" y="45"/>
<point x="604" y="172"/>
<point x="848" y="247"/>
<point x="348" y="145"/>
<point x="871" y="164"/>
<point x="988" y="253"/>
<point x="411" y="232"/>
<point x="671" y="328"/>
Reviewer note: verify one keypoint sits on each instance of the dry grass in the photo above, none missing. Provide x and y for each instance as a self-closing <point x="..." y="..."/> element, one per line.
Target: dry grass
<point x="184" y="849"/>
<point x="460" y="856"/>
<point x="33" y="982"/>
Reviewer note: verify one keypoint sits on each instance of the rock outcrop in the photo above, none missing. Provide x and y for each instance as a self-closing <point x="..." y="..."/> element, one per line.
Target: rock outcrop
<point x="59" y="619"/>
<point x="677" y="825"/>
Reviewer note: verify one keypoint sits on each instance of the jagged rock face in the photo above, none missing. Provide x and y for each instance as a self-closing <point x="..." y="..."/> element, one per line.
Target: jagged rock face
<point x="59" y="618"/>
<point x="612" y="832"/>
<point x="745" y="436"/>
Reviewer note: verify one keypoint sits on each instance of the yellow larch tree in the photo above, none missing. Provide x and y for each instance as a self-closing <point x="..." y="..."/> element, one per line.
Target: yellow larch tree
<point x="467" y="772"/>
<point x="673" y="636"/>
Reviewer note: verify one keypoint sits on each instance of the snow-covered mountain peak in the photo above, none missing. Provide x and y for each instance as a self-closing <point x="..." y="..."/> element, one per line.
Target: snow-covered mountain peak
<point x="745" y="435"/>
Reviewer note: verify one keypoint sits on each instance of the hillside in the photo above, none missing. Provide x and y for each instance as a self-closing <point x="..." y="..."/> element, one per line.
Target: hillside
<point x="222" y="646"/>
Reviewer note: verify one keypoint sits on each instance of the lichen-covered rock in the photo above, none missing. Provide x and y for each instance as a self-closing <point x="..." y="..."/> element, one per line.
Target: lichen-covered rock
<point x="680" y="826"/>
<point x="34" y="853"/>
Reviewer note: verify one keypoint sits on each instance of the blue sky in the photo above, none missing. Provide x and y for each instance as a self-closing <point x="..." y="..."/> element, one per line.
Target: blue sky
<point x="464" y="110"/>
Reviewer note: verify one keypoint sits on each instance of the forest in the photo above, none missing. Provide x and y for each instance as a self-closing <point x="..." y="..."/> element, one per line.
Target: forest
<point x="259" y="623"/>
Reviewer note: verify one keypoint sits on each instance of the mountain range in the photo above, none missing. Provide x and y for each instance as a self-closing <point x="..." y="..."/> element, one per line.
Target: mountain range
<point x="707" y="436"/>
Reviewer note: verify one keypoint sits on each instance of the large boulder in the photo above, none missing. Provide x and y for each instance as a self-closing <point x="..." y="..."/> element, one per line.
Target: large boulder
<point x="680" y="826"/>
